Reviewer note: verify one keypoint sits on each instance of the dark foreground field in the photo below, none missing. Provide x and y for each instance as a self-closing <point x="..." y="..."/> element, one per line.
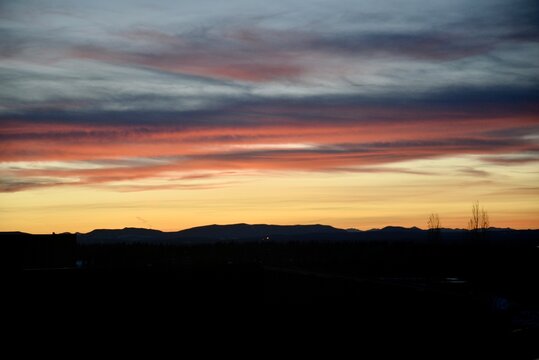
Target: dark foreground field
<point x="472" y="299"/>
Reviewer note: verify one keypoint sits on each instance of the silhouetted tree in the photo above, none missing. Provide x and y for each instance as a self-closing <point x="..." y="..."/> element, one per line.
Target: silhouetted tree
<point x="479" y="220"/>
<point x="485" y="222"/>
<point x="434" y="225"/>
<point x="433" y="222"/>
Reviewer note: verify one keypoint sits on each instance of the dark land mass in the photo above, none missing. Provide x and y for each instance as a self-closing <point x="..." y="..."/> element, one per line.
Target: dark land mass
<point x="473" y="293"/>
<point x="209" y="234"/>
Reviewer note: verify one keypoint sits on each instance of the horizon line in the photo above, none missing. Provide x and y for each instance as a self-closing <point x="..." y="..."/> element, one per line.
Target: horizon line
<point x="265" y="224"/>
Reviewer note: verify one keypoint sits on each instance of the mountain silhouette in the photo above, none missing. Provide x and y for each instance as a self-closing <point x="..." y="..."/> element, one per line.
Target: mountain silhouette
<point x="125" y="235"/>
<point x="208" y="233"/>
<point x="397" y="229"/>
<point x="264" y="232"/>
<point x="242" y="231"/>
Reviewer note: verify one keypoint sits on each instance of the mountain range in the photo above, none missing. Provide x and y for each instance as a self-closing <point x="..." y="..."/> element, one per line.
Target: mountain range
<point x="209" y="233"/>
<point x="263" y="232"/>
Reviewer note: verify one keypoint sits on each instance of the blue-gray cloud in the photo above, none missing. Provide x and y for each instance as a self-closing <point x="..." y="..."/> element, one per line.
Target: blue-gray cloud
<point x="201" y="83"/>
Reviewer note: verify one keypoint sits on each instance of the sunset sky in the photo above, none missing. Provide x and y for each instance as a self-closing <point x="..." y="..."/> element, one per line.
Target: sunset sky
<point x="172" y="114"/>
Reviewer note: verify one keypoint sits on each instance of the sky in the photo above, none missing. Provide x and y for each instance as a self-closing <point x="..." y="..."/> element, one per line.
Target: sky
<point x="172" y="114"/>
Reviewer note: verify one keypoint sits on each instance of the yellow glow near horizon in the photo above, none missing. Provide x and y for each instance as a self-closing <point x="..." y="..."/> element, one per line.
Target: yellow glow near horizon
<point x="364" y="199"/>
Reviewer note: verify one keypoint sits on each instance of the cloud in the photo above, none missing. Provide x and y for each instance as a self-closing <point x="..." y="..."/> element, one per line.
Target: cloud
<point x="205" y="55"/>
<point x="21" y="183"/>
<point x="261" y="55"/>
<point x="331" y="87"/>
<point x="524" y="157"/>
<point x="198" y="161"/>
<point x="474" y="172"/>
<point x="425" y="45"/>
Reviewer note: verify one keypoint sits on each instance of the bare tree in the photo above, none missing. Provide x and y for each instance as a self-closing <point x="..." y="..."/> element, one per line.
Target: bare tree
<point x="434" y="226"/>
<point x="479" y="219"/>
<point x="473" y="223"/>
<point x="485" y="222"/>
<point x="433" y="222"/>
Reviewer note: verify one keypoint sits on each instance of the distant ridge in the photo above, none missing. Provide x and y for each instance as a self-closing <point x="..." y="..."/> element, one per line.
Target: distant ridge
<point x="126" y="230"/>
<point x="264" y="232"/>
<point x="238" y="231"/>
<point x="397" y="228"/>
<point x="207" y="233"/>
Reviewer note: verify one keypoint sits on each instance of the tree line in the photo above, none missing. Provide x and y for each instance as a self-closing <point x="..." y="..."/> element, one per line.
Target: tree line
<point x="479" y="222"/>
